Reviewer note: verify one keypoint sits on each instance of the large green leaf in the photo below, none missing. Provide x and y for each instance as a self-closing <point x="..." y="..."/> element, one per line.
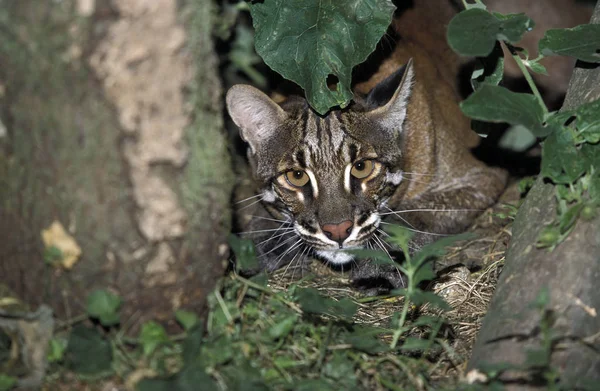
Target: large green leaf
<point x="588" y="120"/>
<point x="474" y="32"/>
<point x="497" y="104"/>
<point x="306" y="41"/>
<point x="581" y="42"/>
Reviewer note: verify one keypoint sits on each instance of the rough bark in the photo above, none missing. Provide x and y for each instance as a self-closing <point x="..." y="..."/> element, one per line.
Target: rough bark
<point x="113" y="118"/>
<point x="570" y="272"/>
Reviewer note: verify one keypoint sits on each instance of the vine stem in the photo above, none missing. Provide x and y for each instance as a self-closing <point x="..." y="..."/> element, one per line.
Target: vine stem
<point x="528" y="77"/>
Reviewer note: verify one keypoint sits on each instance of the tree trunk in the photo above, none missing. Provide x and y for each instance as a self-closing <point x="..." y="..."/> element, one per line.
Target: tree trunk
<point x="570" y="272"/>
<point x="113" y="130"/>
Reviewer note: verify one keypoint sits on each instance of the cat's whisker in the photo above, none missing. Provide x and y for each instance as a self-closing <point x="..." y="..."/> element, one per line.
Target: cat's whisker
<point x="416" y="173"/>
<point x="278" y="246"/>
<point x="268" y="230"/>
<point x="381" y="246"/>
<point x="295" y="245"/>
<point x="275" y="236"/>
<point x="300" y="257"/>
<point x="247" y="206"/>
<point x="248" y="199"/>
<point x="429" y="210"/>
<point x="416" y="230"/>
<point x="269" y="219"/>
<point x="400" y="217"/>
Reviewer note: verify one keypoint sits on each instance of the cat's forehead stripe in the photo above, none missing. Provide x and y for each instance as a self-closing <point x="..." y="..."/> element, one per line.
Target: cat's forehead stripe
<point x="324" y="137"/>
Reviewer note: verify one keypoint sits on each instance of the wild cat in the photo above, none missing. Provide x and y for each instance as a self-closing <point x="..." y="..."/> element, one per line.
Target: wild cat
<point x="399" y="153"/>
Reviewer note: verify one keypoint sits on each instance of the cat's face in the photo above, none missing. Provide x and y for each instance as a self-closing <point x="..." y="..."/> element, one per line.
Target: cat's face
<point x="331" y="175"/>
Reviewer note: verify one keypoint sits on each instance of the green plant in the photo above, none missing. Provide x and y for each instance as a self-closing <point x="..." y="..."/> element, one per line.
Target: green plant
<point x="570" y="149"/>
<point x="317" y="43"/>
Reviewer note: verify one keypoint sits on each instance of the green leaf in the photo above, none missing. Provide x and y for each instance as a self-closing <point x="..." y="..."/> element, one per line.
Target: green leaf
<point x="53" y="255"/>
<point x="103" y="305"/>
<point x="56" y="350"/>
<point x="548" y="237"/>
<point x="313" y="302"/>
<point x="217" y="352"/>
<point x="518" y="138"/>
<point x="581" y="42"/>
<point x="245" y="254"/>
<point x="488" y="70"/>
<point x="424" y="272"/>
<point x="497" y="104"/>
<point x="561" y="161"/>
<point x="151" y="336"/>
<point x="186" y="319"/>
<point x="536" y="67"/>
<point x="400" y="236"/>
<point x="474" y="32"/>
<point x="569" y="218"/>
<point x="7" y="382"/>
<point x="88" y="352"/>
<point x="306" y="41"/>
<point x="366" y="343"/>
<point x="587" y="120"/>
<point x="282" y="328"/>
<point x="192" y="343"/>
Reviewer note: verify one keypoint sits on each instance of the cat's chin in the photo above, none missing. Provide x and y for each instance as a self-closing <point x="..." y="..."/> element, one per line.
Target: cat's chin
<point x="335" y="257"/>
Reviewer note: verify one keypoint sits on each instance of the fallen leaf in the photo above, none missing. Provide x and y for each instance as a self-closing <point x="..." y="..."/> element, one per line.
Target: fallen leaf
<point x="56" y="236"/>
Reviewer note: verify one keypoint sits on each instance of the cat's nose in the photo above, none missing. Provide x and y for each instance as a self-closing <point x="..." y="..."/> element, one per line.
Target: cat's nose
<point x="338" y="232"/>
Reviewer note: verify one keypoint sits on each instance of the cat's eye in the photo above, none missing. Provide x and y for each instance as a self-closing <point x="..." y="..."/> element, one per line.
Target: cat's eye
<point x="297" y="178"/>
<point x="362" y="169"/>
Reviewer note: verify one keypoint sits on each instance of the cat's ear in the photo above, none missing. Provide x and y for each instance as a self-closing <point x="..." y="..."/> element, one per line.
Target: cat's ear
<point x="257" y="116"/>
<point x="390" y="98"/>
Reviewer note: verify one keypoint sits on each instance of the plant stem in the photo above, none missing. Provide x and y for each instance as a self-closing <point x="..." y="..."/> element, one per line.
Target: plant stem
<point x="528" y="77"/>
<point x="401" y="321"/>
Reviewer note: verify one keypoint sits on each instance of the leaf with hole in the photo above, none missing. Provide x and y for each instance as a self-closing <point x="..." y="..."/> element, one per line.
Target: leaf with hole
<point x="311" y="42"/>
<point x="474" y="32"/>
<point x="581" y="42"/>
<point x="104" y="305"/>
<point x="497" y="104"/>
